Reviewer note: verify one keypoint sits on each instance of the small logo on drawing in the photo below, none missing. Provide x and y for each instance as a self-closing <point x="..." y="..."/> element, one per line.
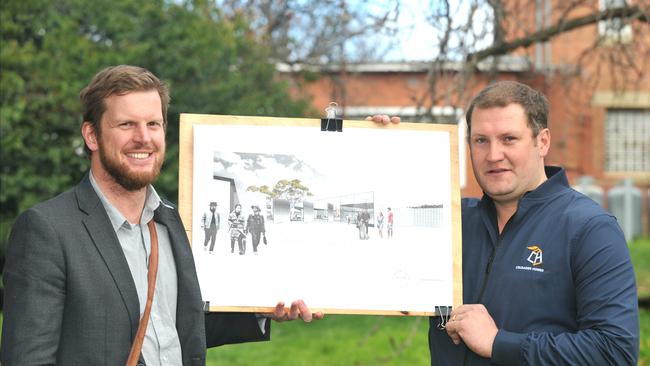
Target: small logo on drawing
<point x="535" y="256"/>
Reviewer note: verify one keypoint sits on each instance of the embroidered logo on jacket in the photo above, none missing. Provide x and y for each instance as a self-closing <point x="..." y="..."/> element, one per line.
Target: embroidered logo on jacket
<point x="534" y="258"/>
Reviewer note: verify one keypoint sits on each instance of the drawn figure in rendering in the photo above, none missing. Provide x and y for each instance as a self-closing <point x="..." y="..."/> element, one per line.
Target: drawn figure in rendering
<point x="380" y="224"/>
<point x="362" y="222"/>
<point x="210" y="223"/>
<point x="255" y="226"/>
<point x="237" y="230"/>
<point x="389" y="225"/>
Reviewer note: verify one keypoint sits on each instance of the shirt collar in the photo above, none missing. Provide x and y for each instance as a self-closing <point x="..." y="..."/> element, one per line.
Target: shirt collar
<point x="118" y="220"/>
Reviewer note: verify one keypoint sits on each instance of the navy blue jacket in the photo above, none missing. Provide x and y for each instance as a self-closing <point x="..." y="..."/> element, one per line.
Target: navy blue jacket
<point x="558" y="282"/>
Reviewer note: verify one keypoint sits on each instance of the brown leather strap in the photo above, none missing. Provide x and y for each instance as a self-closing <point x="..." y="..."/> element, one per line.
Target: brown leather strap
<point x="134" y="355"/>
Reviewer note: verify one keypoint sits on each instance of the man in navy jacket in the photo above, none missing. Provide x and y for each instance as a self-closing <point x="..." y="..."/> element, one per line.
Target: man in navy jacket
<point x="547" y="276"/>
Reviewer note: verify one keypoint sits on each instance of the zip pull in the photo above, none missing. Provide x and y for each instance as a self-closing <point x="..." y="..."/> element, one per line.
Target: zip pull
<point x="488" y="267"/>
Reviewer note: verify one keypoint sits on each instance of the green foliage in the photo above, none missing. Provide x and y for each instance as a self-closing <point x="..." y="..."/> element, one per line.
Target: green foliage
<point x="262" y="189"/>
<point x="51" y="49"/>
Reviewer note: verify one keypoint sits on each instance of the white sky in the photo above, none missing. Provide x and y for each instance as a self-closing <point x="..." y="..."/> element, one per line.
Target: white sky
<point x="416" y="38"/>
<point x="415" y="33"/>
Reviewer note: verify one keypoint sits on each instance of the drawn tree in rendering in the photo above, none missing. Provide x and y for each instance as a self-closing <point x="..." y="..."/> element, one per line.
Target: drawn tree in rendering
<point x="291" y="190"/>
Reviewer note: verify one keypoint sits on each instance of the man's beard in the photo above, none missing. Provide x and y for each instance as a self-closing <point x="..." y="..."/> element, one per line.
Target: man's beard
<point x="129" y="180"/>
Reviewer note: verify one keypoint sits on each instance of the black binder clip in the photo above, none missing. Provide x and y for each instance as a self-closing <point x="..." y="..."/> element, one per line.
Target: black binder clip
<point x="330" y="122"/>
<point x="206" y="306"/>
<point x="443" y="312"/>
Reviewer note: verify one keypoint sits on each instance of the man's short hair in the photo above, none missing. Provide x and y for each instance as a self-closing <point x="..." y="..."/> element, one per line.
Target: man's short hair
<point x="503" y="93"/>
<point x="119" y="80"/>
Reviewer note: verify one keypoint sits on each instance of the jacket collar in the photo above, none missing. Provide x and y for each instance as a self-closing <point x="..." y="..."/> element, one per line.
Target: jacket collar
<point x="556" y="183"/>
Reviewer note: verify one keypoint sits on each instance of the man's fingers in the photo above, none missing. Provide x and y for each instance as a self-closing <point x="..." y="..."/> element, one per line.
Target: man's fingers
<point x="302" y="310"/>
<point x="306" y="316"/>
<point x="294" y="311"/>
<point x="395" y="119"/>
<point x="279" y="309"/>
<point x="279" y="312"/>
<point x="453" y="327"/>
<point x="297" y="310"/>
<point x="305" y="313"/>
<point x="452" y="331"/>
<point x="380" y="118"/>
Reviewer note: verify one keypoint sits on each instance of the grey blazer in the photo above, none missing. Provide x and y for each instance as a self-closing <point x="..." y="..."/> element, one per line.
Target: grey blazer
<point x="70" y="298"/>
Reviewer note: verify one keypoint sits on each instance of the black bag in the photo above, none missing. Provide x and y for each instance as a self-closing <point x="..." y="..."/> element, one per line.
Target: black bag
<point x="264" y="239"/>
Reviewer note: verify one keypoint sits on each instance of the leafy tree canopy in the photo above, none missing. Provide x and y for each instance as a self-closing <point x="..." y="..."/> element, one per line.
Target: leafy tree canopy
<point x="51" y="49"/>
<point x="292" y="190"/>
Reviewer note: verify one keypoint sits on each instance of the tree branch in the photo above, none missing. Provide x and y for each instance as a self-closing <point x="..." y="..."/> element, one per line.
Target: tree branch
<point x="627" y="12"/>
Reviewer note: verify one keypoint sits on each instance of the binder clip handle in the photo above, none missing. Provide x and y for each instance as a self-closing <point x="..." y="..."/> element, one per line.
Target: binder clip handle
<point x="330" y="111"/>
<point x="330" y="122"/>
<point x="443" y="313"/>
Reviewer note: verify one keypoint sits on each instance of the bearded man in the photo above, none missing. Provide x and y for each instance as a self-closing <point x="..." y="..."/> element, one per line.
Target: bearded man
<point x="103" y="273"/>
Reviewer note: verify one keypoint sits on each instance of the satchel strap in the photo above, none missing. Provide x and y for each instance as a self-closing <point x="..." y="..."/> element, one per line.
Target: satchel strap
<point x="136" y="348"/>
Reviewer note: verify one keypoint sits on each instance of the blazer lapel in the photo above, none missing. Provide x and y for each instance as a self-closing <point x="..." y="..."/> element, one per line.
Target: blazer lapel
<point x="189" y="294"/>
<point x="103" y="236"/>
<point x="181" y="249"/>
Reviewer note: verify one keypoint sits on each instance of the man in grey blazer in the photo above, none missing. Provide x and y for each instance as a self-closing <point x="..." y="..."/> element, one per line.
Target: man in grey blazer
<point x="76" y="270"/>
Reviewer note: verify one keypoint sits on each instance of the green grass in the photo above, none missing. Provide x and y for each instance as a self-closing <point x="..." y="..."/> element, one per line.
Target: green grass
<point x="640" y="253"/>
<point x="340" y="340"/>
<point x="337" y="340"/>
<point x="644" y="356"/>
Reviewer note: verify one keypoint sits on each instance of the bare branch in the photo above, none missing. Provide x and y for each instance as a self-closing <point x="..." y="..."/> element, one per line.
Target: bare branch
<point x="628" y="12"/>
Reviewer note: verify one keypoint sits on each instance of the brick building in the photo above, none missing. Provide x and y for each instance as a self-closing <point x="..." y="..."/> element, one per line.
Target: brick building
<point x="600" y="108"/>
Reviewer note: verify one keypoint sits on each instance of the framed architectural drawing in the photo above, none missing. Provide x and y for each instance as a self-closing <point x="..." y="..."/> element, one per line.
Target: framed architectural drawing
<point x="363" y="221"/>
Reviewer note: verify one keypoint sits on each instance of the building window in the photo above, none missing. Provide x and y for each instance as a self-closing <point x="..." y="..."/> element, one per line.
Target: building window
<point x="627" y="140"/>
<point x="614" y="29"/>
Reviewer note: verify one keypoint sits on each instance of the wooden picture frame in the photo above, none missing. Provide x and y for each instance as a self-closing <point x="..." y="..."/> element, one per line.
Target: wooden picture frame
<point x="314" y="241"/>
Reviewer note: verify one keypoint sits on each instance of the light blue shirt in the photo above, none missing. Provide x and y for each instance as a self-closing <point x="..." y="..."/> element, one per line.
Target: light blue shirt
<point x="161" y="344"/>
